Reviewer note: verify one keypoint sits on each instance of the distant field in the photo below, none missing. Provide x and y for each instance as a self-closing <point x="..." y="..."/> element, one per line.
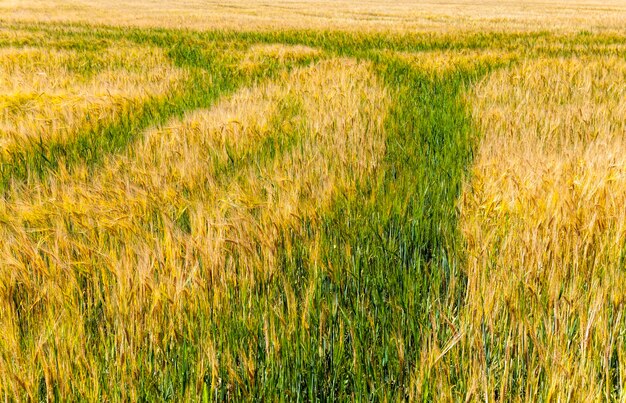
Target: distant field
<point x="359" y="15"/>
<point x="297" y="201"/>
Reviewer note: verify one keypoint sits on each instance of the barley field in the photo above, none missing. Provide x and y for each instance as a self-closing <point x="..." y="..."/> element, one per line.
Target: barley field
<point x="366" y="200"/>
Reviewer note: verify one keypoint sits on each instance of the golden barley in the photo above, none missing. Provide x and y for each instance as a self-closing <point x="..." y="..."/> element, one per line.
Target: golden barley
<point x="121" y="228"/>
<point x="362" y="15"/>
<point x="440" y="63"/>
<point x="50" y="95"/>
<point x="544" y="219"/>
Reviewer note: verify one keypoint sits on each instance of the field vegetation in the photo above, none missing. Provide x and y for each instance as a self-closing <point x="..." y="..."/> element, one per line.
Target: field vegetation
<point x="312" y="201"/>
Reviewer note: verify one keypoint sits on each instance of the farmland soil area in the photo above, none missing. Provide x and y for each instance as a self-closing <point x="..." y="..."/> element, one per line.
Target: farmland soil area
<point x="312" y="200"/>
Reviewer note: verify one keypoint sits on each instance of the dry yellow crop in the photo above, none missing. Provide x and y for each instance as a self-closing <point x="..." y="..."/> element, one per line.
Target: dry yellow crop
<point x="361" y="15"/>
<point x="48" y="94"/>
<point x="440" y="63"/>
<point x="157" y="226"/>
<point x="545" y="224"/>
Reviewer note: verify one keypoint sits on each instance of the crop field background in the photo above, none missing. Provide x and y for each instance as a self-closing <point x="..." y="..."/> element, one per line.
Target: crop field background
<point x="313" y="200"/>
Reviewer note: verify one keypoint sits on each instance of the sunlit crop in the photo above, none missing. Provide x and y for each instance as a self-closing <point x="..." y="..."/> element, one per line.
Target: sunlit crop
<point x="312" y="201"/>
